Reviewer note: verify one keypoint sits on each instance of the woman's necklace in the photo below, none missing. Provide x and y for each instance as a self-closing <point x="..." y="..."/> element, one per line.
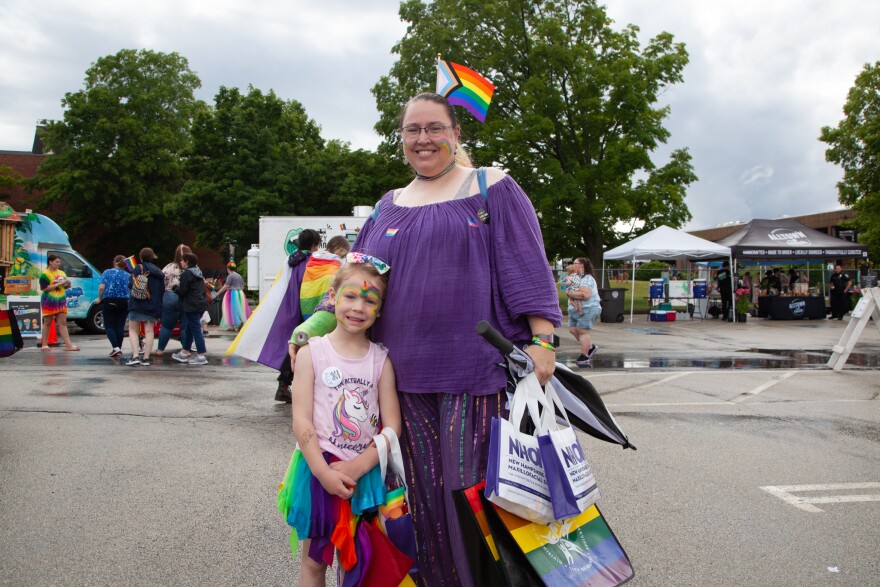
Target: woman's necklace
<point x="433" y="177"/>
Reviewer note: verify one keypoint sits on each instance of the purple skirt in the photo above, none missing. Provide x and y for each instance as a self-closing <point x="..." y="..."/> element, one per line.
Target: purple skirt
<point x="445" y="447"/>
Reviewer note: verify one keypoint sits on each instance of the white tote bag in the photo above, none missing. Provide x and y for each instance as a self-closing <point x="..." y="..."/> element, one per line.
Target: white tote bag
<point x="571" y="484"/>
<point x="515" y="477"/>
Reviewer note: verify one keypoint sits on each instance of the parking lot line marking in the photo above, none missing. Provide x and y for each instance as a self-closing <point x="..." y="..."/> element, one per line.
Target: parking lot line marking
<point x="786" y="494"/>
<point x="652" y="383"/>
<point x="763" y="387"/>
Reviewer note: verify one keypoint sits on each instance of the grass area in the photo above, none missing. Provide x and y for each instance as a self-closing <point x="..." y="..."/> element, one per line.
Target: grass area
<point x="641" y="295"/>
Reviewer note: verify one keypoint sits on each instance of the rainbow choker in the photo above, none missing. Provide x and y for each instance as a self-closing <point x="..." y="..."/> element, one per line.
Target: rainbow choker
<point x="433" y="177"/>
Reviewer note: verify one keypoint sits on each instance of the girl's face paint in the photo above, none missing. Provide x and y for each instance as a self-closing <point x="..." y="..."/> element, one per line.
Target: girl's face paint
<point x="357" y="304"/>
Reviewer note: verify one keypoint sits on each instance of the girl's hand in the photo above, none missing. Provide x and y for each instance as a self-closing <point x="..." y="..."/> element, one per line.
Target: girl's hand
<point x="337" y="483"/>
<point x="348" y="468"/>
<point x="545" y="362"/>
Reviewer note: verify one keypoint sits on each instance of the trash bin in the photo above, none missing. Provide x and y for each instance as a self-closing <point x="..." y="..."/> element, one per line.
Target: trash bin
<point x="215" y="309"/>
<point x="613" y="304"/>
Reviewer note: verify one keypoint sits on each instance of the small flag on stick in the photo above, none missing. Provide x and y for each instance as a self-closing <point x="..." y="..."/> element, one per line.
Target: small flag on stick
<point x="130" y="263"/>
<point x="462" y="86"/>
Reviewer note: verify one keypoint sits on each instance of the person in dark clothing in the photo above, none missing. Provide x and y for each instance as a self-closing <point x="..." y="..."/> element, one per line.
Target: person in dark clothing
<point x="308" y="242"/>
<point x="841" y="284"/>
<point x="193" y="303"/>
<point x="723" y="284"/>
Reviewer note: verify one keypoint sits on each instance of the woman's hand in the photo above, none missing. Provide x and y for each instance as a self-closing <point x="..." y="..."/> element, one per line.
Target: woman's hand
<point x="337" y="483"/>
<point x="544" y="360"/>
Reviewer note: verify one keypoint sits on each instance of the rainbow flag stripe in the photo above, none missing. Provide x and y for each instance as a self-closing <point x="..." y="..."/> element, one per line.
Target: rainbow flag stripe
<point x="391" y="231"/>
<point x="131" y="263"/>
<point x="320" y="269"/>
<point x="602" y="564"/>
<point x="463" y="86"/>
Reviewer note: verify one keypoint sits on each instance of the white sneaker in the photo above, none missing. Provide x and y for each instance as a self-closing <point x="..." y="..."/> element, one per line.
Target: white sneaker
<point x="198" y="360"/>
<point x="181" y="357"/>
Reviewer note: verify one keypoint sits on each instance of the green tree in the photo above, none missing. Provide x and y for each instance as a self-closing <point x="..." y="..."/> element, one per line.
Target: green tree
<point x="855" y="145"/>
<point x="117" y="152"/>
<point x="9" y="180"/>
<point x="574" y="117"/>
<point x="252" y="155"/>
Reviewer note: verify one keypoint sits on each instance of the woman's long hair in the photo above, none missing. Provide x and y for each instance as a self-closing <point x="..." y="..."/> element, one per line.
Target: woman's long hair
<point x="588" y="267"/>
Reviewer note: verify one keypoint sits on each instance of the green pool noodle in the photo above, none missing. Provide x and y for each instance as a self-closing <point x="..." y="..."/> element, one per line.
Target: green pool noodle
<point x="319" y="324"/>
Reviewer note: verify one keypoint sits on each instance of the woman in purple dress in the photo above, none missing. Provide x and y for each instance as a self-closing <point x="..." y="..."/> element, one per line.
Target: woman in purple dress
<point x="487" y="262"/>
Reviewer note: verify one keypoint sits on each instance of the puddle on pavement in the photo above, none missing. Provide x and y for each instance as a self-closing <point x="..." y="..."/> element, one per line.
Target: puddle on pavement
<point x="768" y="359"/>
<point x="69" y="393"/>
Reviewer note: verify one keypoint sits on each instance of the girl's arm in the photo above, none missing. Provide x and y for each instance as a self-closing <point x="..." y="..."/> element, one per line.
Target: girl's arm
<point x="335" y="482"/>
<point x="389" y="415"/>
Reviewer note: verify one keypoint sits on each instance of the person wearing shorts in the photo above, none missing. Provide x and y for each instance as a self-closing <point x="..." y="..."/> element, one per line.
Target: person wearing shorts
<point x="581" y="323"/>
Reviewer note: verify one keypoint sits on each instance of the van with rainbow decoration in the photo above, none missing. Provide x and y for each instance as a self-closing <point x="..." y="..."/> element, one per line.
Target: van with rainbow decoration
<point x="35" y="237"/>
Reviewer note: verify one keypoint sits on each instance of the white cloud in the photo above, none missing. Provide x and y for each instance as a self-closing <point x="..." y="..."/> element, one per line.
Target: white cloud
<point x="757" y="175"/>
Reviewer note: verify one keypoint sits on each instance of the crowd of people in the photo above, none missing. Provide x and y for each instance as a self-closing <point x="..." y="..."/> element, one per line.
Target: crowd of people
<point x="149" y="299"/>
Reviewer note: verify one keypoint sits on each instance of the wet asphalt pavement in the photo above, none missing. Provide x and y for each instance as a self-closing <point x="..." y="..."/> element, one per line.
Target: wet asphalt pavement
<point x="166" y="475"/>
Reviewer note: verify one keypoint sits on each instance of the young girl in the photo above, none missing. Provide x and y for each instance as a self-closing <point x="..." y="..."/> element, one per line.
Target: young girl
<point x="344" y="394"/>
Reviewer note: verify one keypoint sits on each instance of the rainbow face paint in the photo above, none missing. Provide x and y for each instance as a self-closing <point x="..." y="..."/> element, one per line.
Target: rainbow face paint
<point x="370" y="294"/>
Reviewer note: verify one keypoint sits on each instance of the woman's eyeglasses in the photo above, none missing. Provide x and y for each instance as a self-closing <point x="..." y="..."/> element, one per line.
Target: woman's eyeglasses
<point x="411" y="133"/>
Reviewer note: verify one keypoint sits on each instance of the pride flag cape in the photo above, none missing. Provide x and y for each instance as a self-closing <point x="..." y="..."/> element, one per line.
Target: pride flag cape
<point x="320" y="269"/>
<point x="265" y="335"/>
<point x="462" y="86"/>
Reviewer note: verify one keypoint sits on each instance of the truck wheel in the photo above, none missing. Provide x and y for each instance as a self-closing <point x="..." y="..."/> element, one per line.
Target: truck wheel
<point x="95" y="321"/>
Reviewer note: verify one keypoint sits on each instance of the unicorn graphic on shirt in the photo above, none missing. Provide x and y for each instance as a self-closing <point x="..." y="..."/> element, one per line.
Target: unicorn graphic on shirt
<point x="350" y="409"/>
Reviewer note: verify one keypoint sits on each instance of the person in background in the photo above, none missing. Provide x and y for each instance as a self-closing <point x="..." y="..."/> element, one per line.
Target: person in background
<point x="580" y="324"/>
<point x="53" y="302"/>
<point x="193" y="302"/>
<point x="171" y="313"/>
<point x="308" y="242"/>
<point x="113" y="296"/>
<point x="841" y="284"/>
<point x="235" y="309"/>
<point x="783" y="279"/>
<point x="794" y="277"/>
<point x="145" y="312"/>
<point x="723" y="282"/>
<point x="459" y="255"/>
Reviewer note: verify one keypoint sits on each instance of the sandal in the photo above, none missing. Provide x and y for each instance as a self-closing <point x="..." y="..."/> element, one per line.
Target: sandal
<point x="71" y="348"/>
<point x="45" y="348"/>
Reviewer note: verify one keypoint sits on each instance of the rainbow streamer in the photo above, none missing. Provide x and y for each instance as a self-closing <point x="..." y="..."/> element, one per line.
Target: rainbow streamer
<point x="462" y="86"/>
<point x="131" y="263"/>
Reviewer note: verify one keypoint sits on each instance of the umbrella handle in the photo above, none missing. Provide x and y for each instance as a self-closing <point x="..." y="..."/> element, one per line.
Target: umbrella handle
<point x="493" y="337"/>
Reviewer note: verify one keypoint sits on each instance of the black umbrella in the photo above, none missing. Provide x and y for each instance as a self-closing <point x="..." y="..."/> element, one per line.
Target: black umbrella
<point x="586" y="410"/>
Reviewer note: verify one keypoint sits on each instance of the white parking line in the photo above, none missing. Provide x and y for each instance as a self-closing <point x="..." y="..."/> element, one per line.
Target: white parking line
<point x="786" y="494"/>
<point x="763" y="387"/>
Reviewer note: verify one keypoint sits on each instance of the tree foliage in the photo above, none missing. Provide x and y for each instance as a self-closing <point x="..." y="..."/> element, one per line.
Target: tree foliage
<point x="257" y="155"/>
<point x="117" y="152"/>
<point x="9" y="180"/>
<point x="855" y="145"/>
<point x="574" y="117"/>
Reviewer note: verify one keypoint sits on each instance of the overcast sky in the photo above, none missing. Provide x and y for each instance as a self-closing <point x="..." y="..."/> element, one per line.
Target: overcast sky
<point x="764" y="76"/>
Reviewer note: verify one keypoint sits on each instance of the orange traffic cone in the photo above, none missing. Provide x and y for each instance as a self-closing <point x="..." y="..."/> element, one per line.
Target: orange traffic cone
<point x="53" y="333"/>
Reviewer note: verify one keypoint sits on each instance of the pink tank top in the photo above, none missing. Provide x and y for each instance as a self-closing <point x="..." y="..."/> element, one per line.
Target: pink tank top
<point x="345" y="410"/>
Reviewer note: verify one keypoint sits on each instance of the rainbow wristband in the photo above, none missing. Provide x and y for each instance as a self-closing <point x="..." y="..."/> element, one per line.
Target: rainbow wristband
<point x="543" y="344"/>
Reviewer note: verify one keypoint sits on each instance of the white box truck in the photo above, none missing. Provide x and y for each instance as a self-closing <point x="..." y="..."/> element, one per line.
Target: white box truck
<point x="277" y="236"/>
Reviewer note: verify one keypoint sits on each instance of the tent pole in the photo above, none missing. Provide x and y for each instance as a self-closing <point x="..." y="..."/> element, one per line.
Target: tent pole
<point x="632" y="294"/>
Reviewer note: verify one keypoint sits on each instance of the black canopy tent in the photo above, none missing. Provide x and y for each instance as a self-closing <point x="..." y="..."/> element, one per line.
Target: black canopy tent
<point x="786" y="239"/>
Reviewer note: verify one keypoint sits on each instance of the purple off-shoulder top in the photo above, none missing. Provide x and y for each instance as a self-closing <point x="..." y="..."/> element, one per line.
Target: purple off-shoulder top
<point x="449" y="270"/>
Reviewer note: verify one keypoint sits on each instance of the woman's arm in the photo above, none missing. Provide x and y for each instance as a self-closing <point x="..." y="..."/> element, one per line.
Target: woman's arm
<point x="544" y="359"/>
<point x="335" y="482"/>
<point x="389" y="412"/>
<point x="101" y="289"/>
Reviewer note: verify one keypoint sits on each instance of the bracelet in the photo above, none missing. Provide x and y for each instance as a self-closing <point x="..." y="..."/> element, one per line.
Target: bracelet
<point x="543" y="344"/>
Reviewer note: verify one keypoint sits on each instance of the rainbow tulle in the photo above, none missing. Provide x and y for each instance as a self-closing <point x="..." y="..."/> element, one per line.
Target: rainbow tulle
<point x="235" y="310"/>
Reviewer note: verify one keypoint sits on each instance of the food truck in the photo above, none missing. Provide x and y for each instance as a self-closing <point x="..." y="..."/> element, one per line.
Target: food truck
<point x="28" y="239"/>
<point x="278" y="241"/>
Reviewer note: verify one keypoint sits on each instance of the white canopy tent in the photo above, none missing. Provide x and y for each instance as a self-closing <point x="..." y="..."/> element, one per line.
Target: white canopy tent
<point x="667" y="244"/>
